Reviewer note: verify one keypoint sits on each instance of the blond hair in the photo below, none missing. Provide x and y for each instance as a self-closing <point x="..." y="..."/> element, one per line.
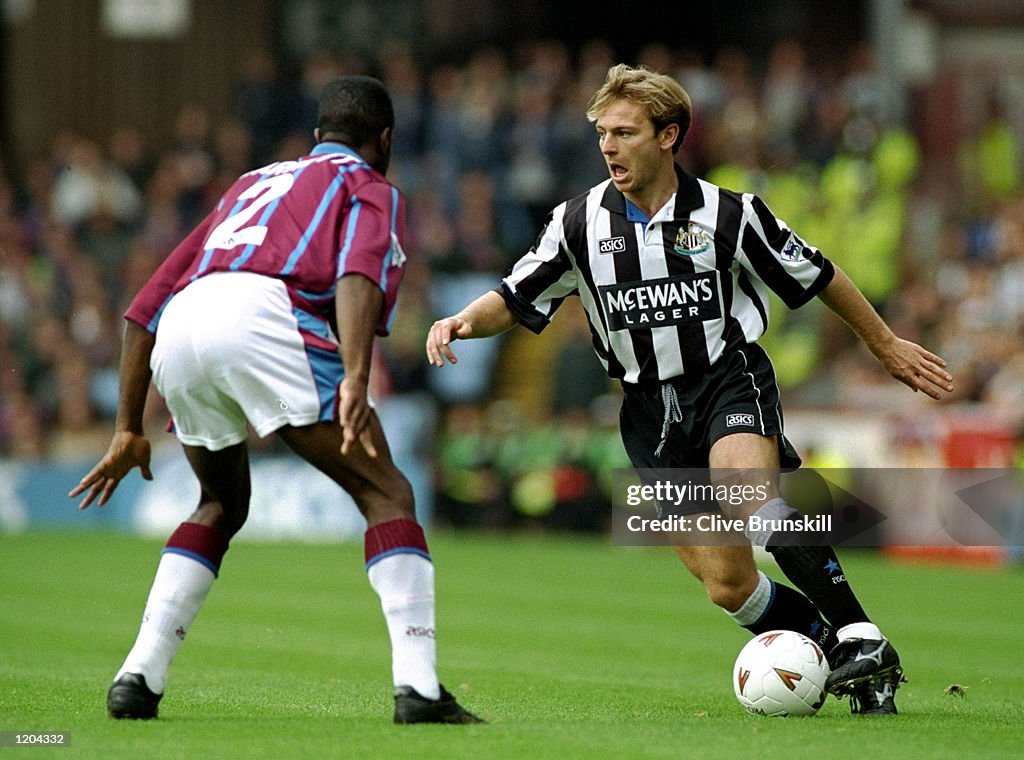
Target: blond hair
<point x="662" y="97"/>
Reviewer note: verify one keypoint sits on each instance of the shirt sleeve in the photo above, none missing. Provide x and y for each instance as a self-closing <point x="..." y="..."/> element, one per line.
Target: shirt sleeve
<point x="148" y="304"/>
<point x="372" y="243"/>
<point x="771" y="251"/>
<point x="543" y="278"/>
<point x="370" y="238"/>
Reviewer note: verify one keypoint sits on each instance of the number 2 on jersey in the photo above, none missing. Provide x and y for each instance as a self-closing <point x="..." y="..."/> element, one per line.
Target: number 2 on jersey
<point x="233" y="230"/>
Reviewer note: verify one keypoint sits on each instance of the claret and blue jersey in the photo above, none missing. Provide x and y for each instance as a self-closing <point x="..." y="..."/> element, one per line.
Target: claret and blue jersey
<point x="306" y="222"/>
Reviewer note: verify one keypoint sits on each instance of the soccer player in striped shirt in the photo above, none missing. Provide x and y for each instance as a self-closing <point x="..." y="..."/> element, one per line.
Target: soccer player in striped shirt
<point x="673" y="274"/>
<point x="265" y="315"/>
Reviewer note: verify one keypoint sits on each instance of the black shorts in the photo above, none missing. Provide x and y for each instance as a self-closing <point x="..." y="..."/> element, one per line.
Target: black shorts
<point x="739" y="394"/>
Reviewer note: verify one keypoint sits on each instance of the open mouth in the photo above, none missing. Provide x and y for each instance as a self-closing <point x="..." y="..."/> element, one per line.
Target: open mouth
<point x="618" y="172"/>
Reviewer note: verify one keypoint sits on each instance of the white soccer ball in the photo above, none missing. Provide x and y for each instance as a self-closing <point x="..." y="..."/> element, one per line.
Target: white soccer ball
<point x="780" y="673"/>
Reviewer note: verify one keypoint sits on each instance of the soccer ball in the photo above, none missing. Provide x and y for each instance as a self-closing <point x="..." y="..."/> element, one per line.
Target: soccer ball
<point x="780" y="673"/>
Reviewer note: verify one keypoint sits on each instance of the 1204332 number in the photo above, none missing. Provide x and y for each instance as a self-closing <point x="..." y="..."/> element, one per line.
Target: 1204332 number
<point x="28" y="738"/>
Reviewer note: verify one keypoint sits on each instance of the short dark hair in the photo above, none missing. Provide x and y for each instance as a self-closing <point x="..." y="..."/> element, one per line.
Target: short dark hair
<point x="357" y="108"/>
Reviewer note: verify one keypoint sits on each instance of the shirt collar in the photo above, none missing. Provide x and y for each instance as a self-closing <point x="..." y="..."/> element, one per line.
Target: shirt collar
<point x="634" y="213"/>
<point x="324" y="148"/>
<point x="689" y="197"/>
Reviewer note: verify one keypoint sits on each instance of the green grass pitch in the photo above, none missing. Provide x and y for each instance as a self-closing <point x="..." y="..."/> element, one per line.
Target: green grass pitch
<point x="571" y="648"/>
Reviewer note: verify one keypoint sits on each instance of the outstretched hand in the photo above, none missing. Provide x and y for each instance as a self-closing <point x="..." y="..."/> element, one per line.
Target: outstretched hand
<point x="441" y="334"/>
<point x="127" y="451"/>
<point x="916" y="367"/>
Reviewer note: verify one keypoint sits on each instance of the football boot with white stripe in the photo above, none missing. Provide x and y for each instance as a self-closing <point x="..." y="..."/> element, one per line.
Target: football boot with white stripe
<point x="857" y="661"/>
<point x="869" y="672"/>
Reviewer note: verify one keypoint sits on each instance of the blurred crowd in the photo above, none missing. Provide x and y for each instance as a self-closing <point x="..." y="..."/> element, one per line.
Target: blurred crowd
<point x="484" y="148"/>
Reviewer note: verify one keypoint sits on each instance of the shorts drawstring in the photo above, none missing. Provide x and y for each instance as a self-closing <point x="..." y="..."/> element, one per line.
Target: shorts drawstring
<point x="673" y="413"/>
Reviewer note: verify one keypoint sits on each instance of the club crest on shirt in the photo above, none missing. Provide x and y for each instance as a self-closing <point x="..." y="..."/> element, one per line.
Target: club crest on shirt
<point x="691" y="241"/>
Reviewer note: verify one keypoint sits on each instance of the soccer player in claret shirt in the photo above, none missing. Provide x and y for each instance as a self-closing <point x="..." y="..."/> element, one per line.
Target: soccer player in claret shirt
<point x="673" y="273"/>
<point x="265" y="315"/>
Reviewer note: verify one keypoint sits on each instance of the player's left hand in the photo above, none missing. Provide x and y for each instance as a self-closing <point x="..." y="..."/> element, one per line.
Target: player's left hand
<point x="127" y="451"/>
<point x="916" y="367"/>
<point x="354" y="414"/>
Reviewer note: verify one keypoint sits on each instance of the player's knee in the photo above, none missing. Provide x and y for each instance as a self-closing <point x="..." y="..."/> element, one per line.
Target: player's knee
<point x="731" y="592"/>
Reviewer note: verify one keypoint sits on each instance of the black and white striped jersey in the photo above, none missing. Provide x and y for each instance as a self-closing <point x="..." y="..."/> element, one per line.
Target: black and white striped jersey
<point x="666" y="296"/>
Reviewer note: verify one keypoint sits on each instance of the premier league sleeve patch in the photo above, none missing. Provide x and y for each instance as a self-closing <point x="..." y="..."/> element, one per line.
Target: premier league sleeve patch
<point x="793" y="250"/>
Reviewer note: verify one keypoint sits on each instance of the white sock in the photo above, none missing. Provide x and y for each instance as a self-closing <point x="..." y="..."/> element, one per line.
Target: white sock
<point x="868" y="631"/>
<point x="405" y="584"/>
<point x="752" y="609"/>
<point x="776" y="509"/>
<point x="179" y="589"/>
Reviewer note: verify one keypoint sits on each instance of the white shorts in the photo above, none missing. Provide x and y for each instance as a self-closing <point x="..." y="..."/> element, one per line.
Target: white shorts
<point x="228" y="351"/>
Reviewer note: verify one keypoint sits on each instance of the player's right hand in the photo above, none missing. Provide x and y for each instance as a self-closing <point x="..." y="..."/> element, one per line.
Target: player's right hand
<point x="440" y="336"/>
<point x="354" y="415"/>
<point x="127" y="451"/>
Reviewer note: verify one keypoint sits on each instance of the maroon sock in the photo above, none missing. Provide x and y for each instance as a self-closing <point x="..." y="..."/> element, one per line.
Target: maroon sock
<point x="400" y="536"/>
<point x="199" y="542"/>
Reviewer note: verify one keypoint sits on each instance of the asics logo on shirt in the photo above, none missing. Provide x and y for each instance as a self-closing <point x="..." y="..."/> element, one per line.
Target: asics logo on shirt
<point x="611" y="245"/>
